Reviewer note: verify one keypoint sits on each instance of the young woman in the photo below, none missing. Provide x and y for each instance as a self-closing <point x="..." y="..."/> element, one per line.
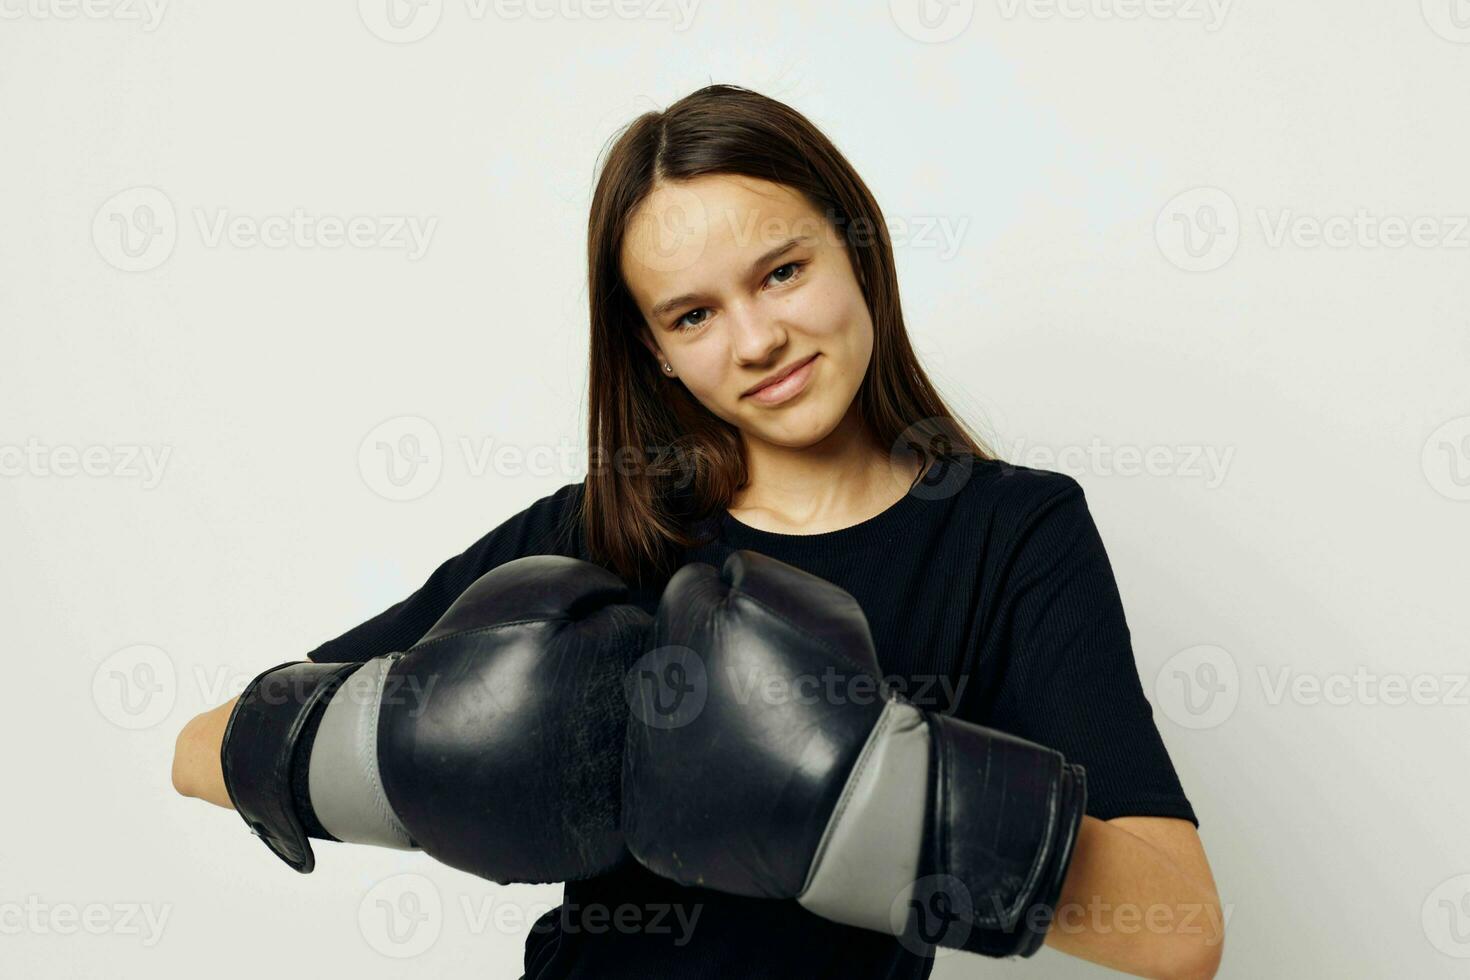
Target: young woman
<point x="752" y="387"/>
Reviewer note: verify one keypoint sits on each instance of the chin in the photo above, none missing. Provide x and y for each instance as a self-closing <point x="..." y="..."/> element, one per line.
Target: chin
<point x="799" y="432"/>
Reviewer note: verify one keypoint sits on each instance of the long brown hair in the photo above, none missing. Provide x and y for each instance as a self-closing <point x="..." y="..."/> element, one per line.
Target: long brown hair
<point x="660" y="463"/>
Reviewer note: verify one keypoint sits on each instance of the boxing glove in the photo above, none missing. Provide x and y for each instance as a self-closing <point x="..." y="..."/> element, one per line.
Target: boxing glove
<point x="494" y="743"/>
<point x="766" y="757"/>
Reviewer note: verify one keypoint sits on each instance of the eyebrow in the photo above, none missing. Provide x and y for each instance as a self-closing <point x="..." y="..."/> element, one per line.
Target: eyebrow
<point x="669" y="305"/>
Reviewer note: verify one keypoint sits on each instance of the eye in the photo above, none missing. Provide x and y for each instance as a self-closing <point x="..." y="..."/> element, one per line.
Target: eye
<point x="793" y="266"/>
<point x="682" y="327"/>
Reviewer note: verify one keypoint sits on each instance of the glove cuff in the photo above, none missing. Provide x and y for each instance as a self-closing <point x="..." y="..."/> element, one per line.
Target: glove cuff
<point x="1035" y="924"/>
<point x="260" y="741"/>
<point x="1004" y="822"/>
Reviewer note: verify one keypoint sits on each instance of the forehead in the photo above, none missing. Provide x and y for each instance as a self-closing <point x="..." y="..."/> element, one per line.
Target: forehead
<point x="686" y="235"/>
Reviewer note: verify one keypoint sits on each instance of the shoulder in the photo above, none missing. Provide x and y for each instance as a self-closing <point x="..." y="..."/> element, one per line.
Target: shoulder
<point x="1009" y="496"/>
<point x="564" y="499"/>
<point x="556" y="518"/>
<point x="1011" y="515"/>
<point x="550" y="524"/>
<point x="552" y="508"/>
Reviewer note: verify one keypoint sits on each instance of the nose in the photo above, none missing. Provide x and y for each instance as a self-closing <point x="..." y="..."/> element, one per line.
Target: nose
<point x="755" y="336"/>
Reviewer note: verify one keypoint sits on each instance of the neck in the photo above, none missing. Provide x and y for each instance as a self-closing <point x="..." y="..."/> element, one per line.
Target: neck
<point x="838" y="482"/>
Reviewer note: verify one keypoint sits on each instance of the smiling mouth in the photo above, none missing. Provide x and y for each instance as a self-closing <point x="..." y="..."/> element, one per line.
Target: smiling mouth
<point x="787" y="388"/>
<point x="766" y="386"/>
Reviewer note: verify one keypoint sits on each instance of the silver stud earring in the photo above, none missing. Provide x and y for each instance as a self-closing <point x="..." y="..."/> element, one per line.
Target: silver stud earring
<point x="668" y="368"/>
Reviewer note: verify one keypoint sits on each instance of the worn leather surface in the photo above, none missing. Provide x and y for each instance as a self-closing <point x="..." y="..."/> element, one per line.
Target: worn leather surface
<point x="738" y="797"/>
<point x="750" y="788"/>
<point x="500" y="733"/>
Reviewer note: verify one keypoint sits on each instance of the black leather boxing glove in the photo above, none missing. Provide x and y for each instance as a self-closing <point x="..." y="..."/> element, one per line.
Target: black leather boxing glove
<point x="755" y="765"/>
<point x="494" y="743"/>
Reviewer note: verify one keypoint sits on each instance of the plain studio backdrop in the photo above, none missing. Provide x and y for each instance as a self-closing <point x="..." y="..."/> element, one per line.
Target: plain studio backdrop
<point x="293" y="308"/>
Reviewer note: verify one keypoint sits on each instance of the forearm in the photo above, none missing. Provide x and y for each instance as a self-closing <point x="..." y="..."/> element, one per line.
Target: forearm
<point x="196" y="769"/>
<point x="1127" y="905"/>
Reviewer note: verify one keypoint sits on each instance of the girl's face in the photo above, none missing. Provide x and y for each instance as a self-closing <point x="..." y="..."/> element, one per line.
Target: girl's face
<point x="740" y="280"/>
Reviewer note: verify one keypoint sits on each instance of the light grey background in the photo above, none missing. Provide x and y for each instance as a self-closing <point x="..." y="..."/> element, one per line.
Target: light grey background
<point x="1087" y="201"/>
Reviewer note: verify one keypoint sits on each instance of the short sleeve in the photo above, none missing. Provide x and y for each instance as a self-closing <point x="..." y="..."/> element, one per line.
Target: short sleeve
<point x="1068" y="679"/>
<point x="548" y="526"/>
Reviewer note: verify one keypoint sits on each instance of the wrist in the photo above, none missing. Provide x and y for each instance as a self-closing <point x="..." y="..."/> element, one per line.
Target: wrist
<point x="186" y="759"/>
<point x="196" y="764"/>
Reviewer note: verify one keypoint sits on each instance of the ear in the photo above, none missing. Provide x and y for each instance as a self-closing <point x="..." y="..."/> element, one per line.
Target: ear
<point x="647" y="340"/>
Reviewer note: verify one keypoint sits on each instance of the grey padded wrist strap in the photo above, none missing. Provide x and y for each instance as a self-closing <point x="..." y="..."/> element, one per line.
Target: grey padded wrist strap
<point x="344" y="779"/>
<point x="864" y="870"/>
<point x="950" y="833"/>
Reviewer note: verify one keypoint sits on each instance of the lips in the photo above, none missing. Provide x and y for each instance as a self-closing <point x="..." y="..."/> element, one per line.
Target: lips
<point x="780" y="377"/>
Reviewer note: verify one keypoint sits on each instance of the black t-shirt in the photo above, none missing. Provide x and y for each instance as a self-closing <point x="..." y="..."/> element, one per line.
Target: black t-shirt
<point x="988" y="594"/>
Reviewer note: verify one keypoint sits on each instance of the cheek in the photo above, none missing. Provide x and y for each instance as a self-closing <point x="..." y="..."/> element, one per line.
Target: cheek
<point x="704" y="369"/>
<point x="836" y="318"/>
<point x="841" y="327"/>
<point x="855" y="351"/>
